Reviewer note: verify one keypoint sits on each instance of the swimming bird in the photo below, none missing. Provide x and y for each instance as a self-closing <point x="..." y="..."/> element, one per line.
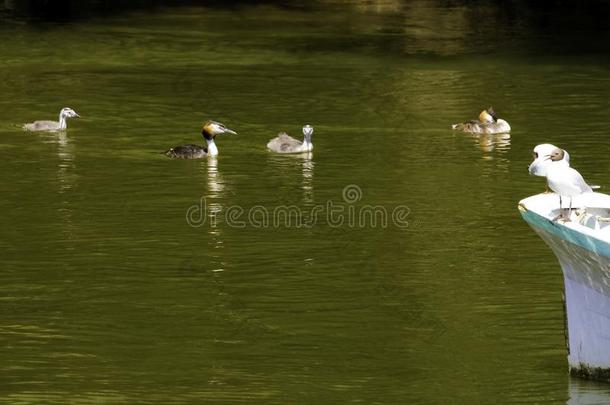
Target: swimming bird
<point x="60" y="125"/>
<point x="488" y="123"/>
<point x="283" y="143"/>
<point x="209" y="131"/>
<point x="561" y="178"/>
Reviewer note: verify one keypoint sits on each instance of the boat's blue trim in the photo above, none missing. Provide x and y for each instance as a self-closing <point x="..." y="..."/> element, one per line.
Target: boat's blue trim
<point x="590" y="243"/>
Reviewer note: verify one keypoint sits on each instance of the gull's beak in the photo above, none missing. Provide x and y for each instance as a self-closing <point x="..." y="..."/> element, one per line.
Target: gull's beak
<point x="76" y="115"/>
<point x="537" y="168"/>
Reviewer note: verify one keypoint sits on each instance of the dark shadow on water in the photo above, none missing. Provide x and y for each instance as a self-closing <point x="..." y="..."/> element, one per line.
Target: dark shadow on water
<point x="442" y="27"/>
<point x="68" y="10"/>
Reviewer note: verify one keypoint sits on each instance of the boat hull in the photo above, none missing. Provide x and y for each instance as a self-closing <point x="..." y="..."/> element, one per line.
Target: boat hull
<point x="585" y="263"/>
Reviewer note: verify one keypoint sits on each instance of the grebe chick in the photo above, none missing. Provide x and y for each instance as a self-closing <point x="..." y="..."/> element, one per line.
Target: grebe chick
<point x="283" y="143"/>
<point x="488" y="123"/>
<point x="209" y="131"/>
<point x="60" y="125"/>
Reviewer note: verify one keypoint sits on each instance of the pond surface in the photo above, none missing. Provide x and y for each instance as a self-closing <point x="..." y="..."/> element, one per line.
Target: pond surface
<point x="129" y="277"/>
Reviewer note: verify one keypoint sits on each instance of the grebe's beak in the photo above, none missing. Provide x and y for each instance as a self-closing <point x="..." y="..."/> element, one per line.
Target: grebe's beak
<point x="230" y="131"/>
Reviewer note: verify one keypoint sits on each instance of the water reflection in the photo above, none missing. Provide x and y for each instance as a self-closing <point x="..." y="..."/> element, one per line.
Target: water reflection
<point x="307" y="166"/>
<point x="213" y="208"/>
<point x="488" y="143"/>
<point x="302" y="162"/>
<point x="66" y="179"/>
<point x="582" y="392"/>
<point x="66" y="165"/>
<point x="214" y="179"/>
<point x="493" y="147"/>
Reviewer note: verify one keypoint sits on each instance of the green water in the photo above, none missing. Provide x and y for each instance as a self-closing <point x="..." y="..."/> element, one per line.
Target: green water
<point x="107" y="294"/>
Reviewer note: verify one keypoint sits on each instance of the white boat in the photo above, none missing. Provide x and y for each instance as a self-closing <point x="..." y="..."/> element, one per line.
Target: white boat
<point x="582" y="246"/>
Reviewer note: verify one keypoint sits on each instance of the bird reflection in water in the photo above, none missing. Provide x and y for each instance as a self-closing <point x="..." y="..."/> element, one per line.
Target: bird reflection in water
<point x="214" y="179"/>
<point x="489" y="143"/>
<point x="494" y="147"/>
<point x="66" y="179"/>
<point x="66" y="166"/>
<point x="307" y="166"/>
<point x="213" y="209"/>
<point x="214" y="191"/>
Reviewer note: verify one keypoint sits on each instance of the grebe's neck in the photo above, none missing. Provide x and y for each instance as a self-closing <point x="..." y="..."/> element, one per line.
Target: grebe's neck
<point x="62" y="121"/>
<point x="307" y="145"/>
<point x="212" y="149"/>
<point x="209" y="139"/>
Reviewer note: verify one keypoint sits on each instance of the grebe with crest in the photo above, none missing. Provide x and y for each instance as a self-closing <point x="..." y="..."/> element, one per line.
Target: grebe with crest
<point x="209" y="131"/>
<point x="488" y="123"/>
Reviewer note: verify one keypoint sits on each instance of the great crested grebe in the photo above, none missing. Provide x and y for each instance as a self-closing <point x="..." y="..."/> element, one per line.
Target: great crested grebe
<point x="283" y="143"/>
<point x="561" y="178"/>
<point x="488" y="123"/>
<point x="60" y="125"/>
<point x="209" y="131"/>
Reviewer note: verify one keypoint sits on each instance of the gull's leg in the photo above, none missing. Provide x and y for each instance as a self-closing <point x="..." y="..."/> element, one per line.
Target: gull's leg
<point x="569" y="210"/>
<point x="560" y="213"/>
